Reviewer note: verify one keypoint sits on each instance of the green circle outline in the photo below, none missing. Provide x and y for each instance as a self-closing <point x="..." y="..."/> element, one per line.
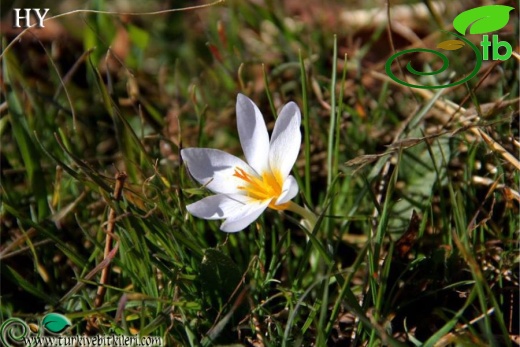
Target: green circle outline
<point x="6" y="331"/>
<point x="445" y="65"/>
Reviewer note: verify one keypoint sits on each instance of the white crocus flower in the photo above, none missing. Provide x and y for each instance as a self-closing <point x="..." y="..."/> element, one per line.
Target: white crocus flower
<point x="244" y="190"/>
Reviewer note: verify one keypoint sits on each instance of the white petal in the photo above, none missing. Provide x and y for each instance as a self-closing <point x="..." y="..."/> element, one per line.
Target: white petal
<point x="252" y="133"/>
<point x="218" y="206"/>
<point x="244" y="216"/>
<point x="289" y="190"/>
<point x="286" y="140"/>
<point x="215" y="169"/>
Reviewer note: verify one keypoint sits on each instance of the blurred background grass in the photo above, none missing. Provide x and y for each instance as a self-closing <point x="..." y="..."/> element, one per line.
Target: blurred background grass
<point x="92" y="94"/>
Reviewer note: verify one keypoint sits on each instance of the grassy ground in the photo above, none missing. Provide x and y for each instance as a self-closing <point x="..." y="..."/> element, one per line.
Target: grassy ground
<point x="93" y="95"/>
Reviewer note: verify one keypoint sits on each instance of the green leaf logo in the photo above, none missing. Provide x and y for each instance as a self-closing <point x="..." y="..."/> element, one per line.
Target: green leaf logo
<point x="483" y="19"/>
<point x="55" y="323"/>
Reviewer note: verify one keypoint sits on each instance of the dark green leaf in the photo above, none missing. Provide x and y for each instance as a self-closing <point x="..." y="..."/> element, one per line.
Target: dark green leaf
<point x="219" y="275"/>
<point x="25" y="143"/>
<point x="13" y="276"/>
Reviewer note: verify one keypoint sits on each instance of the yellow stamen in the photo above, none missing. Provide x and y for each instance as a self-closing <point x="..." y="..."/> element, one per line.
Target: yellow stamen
<point x="269" y="186"/>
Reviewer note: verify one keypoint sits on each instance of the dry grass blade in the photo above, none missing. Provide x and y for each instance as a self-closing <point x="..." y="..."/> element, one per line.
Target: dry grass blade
<point x="105" y="272"/>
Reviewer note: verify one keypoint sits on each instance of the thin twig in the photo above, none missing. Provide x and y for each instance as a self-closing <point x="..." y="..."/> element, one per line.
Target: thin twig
<point x="118" y="190"/>
<point x="109" y="253"/>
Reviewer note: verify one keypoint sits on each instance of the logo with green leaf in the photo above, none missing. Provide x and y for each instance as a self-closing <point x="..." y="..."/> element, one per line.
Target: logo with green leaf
<point x="14" y="331"/>
<point x="480" y="20"/>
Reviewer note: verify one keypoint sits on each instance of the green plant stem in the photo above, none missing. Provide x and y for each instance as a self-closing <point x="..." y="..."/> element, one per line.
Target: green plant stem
<point x="307" y="129"/>
<point x="333" y="115"/>
<point x="307" y="215"/>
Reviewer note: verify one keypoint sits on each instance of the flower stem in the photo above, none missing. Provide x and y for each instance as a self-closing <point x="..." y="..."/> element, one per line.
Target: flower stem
<point x="309" y="218"/>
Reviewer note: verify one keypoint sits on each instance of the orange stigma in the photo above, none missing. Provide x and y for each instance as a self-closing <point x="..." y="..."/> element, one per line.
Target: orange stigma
<point x="268" y="186"/>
